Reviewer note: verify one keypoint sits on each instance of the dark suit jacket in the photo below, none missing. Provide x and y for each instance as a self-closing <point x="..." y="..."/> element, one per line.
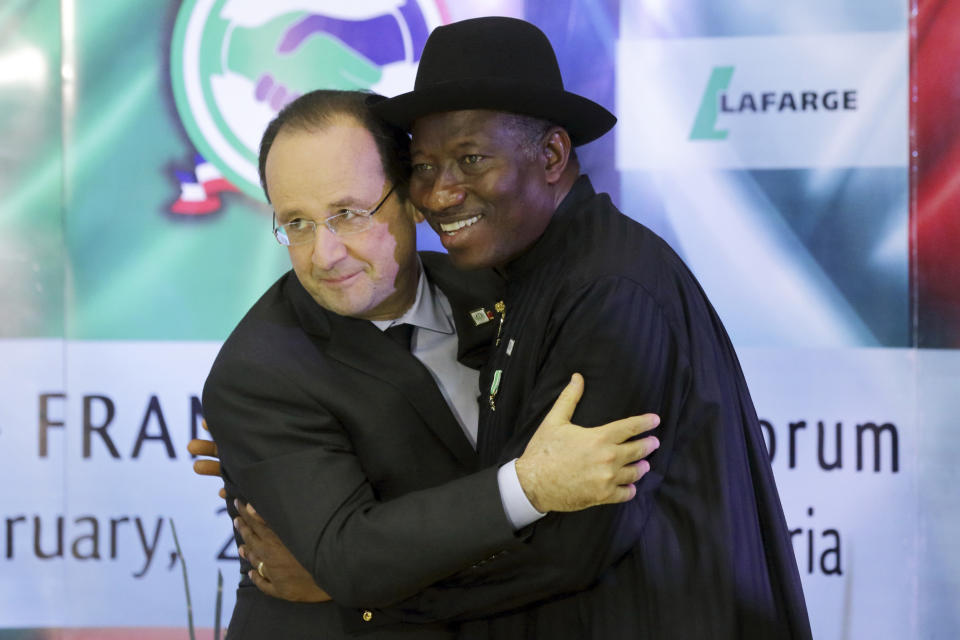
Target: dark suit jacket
<point x="341" y="440"/>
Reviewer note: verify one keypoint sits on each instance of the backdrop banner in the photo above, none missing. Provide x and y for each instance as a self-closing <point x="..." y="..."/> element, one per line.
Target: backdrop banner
<point x="798" y="157"/>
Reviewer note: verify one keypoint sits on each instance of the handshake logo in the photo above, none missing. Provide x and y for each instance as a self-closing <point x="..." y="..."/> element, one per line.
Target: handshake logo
<point x="235" y="63"/>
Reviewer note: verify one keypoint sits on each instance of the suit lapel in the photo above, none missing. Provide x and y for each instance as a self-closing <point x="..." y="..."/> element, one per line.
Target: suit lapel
<point x="361" y="345"/>
<point x="467" y="291"/>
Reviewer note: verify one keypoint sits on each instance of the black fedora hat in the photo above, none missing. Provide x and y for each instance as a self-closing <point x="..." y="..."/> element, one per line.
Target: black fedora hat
<point x="496" y="63"/>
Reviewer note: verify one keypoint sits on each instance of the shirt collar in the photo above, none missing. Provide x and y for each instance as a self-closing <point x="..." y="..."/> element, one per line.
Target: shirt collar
<point x="427" y="310"/>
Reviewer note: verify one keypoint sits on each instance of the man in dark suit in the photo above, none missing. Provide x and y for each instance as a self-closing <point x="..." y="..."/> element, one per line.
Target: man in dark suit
<point x="355" y="450"/>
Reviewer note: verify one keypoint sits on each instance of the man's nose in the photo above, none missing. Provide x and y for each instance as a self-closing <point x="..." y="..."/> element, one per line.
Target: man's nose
<point x="328" y="248"/>
<point x="445" y="192"/>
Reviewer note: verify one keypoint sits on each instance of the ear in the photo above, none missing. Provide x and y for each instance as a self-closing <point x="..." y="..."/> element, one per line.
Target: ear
<point x="556" y="153"/>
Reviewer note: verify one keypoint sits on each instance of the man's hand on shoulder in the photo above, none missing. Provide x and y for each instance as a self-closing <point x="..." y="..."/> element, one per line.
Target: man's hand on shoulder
<point x="568" y="468"/>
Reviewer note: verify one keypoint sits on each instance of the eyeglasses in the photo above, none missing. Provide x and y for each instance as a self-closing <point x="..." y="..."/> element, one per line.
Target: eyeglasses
<point x="345" y="223"/>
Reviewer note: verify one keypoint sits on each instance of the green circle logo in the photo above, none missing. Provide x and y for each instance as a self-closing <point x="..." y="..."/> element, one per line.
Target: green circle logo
<point x="235" y="63"/>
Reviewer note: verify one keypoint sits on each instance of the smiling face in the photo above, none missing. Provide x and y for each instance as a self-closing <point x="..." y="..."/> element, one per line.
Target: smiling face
<point x="486" y="191"/>
<point x="314" y="174"/>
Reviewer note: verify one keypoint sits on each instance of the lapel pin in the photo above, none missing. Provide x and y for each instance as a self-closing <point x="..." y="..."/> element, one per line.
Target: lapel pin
<point x="500" y="308"/>
<point x="494" y="387"/>
<point x="481" y="316"/>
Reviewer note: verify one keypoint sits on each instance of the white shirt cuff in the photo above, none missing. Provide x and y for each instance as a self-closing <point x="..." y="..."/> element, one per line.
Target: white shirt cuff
<point x="519" y="511"/>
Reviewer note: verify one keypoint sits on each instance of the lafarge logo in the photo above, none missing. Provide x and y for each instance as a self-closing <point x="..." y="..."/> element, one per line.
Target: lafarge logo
<point x="762" y="102"/>
<point x="236" y="63"/>
<point x="717" y="100"/>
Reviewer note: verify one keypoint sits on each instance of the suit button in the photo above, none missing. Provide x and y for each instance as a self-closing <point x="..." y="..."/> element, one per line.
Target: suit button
<point x="367" y="615"/>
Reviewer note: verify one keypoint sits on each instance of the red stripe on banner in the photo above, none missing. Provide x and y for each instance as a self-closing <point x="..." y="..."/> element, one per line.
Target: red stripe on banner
<point x="935" y="172"/>
<point x="189" y="208"/>
<point x="217" y="185"/>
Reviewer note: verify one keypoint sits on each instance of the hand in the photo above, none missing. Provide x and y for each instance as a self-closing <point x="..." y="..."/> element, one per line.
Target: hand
<point x="569" y="468"/>
<point x="200" y="447"/>
<point x="280" y="576"/>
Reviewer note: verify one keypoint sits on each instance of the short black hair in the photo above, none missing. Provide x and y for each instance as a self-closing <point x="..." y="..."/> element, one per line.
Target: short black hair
<point x="320" y="108"/>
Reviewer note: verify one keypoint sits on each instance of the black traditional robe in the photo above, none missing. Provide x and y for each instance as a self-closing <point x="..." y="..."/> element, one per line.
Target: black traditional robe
<point x="703" y="551"/>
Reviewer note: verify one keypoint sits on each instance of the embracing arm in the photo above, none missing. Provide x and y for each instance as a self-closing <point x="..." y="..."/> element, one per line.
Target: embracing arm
<point x="292" y="459"/>
<point x="295" y="462"/>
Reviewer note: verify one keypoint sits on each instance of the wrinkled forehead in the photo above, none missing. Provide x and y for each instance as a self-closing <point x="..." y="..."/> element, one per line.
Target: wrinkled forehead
<point x="340" y="158"/>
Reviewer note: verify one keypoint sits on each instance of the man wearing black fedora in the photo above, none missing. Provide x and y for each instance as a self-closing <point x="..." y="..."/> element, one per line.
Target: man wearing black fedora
<point x="702" y="549"/>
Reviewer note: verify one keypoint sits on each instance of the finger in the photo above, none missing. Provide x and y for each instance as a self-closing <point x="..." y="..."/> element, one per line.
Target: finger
<point x="566" y="403"/>
<point x="253" y="514"/>
<point x="201" y="447"/>
<point x="630" y="473"/>
<point x="263" y="584"/>
<point x="634" y="450"/>
<point x="621" y="430"/>
<point x="254" y="522"/>
<point x="206" y="467"/>
<point x="250" y="556"/>
<point x="247" y="532"/>
<point x="222" y="493"/>
<point x="203" y="423"/>
<point x="623" y="493"/>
